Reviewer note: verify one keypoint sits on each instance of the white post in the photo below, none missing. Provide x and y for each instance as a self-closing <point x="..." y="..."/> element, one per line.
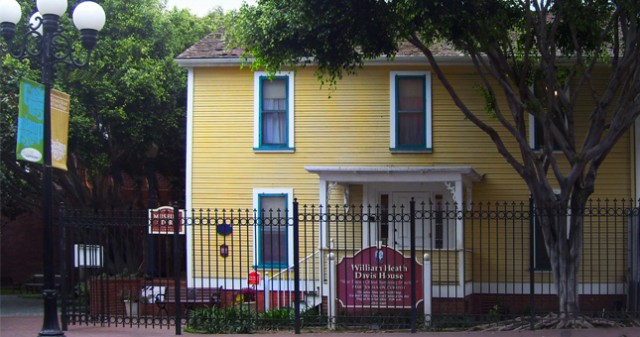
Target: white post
<point x="267" y="292"/>
<point x="323" y="233"/>
<point x="331" y="298"/>
<point x="426" y="284"/>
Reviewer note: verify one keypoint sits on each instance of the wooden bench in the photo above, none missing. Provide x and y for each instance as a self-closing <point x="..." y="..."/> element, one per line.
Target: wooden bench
<point x="36" y="283"/>
<point x="189" y="298"/>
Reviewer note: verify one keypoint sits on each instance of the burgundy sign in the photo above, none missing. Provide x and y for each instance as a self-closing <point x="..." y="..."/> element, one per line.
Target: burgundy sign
<point x="377" y="278"/>
<point x="161" y="220"/>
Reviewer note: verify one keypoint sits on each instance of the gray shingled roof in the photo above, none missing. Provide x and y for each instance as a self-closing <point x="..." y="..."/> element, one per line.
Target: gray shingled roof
<point x="212" y="46"/>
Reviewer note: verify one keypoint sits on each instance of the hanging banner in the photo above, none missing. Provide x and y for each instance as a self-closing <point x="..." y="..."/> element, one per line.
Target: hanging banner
<point x="59" y="128"/>
<point x="30" y="139"/>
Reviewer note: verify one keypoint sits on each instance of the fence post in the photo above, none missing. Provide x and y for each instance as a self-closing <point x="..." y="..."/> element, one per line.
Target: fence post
<point x="426" y="285"/>
<point x="633" y="293"/>
<point x="412" y="233"/>
<point x="332" y="291"/>
<point x="296" y="265"/>
<point x="176" y="267"/>
<point x="531" y="265"/>
<point x="63" y="271"/>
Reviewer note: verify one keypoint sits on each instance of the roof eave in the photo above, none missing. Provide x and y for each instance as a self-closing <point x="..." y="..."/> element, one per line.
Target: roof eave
<point x="398" y="60"/>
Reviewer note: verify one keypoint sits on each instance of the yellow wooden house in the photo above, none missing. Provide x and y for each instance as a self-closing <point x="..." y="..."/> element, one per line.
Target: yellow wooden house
<point x="383" y="137"/>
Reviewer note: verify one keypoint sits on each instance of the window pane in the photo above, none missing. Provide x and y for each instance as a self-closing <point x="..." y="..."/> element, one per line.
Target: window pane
<point x="273" y="230"/>
<point x="274" y="128"/>
<point x="411" y="129"/>
<point x="275" y="89"/>
<point x="274" y="245"/>
<point x="274" y="104"/>
<point x="274" y="112"/>
<point x="271" y="204"/>
<point x="411" y="111"/>
<point x="411" y="94"/>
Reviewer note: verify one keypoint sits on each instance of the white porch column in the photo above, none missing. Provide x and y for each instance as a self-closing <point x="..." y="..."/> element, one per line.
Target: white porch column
<point x="324" y="240"/>
<point x="458" y="195"/>
<point x="459" y="202"/>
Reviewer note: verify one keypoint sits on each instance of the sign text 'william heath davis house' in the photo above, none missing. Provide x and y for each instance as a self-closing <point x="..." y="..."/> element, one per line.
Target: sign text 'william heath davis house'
<point x="383" y="137"/>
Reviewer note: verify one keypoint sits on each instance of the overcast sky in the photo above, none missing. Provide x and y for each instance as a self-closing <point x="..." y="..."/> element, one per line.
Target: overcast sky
<point x="202" y="7"/>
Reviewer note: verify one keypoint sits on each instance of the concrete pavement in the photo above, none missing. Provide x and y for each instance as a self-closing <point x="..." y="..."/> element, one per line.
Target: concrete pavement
<point x="23" y="318"/>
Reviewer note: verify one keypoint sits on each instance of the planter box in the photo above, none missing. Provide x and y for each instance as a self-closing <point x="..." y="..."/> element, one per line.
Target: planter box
<point x="131" y="308"/>
<point x="248" y="306"/>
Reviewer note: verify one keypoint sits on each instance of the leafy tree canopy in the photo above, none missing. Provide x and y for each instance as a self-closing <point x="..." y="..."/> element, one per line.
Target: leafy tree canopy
<point x="128" y="106"/>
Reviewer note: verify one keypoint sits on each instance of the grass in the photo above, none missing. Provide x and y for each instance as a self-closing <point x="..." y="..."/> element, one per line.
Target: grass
<point x="21" y="294"/>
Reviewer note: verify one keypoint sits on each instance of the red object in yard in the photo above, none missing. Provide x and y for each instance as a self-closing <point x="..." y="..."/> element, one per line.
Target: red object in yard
<point x="254" y="278"/>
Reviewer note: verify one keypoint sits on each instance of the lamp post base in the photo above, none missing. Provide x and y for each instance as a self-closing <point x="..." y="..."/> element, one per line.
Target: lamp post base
<point x="44" y="333"/>
<point x="50" y="326"/>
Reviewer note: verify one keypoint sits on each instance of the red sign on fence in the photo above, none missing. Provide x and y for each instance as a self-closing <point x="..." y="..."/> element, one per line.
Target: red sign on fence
<point x="161" y="220"/>
<point x="254" y="278"/>
<point x="377" y="278"/>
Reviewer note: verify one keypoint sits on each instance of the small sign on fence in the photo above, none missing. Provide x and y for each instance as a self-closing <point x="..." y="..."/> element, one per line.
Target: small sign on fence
<point x="254" y="278"/>
<point x="161" y="220"/>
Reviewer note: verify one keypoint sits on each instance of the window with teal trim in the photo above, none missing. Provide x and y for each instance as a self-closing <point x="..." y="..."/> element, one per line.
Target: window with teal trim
<point x="274" y="112"/>
<point x="536" y="140"/>
<point x="541" y="259"/>
<point x="410" y="112"/>
<point x="272" y="231"/>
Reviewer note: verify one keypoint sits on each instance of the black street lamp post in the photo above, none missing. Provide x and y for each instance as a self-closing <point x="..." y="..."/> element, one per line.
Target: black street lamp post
<point x="48" y="48"/>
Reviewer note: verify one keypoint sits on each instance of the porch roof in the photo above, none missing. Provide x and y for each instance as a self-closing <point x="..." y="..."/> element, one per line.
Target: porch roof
<point x="364" y="174"/>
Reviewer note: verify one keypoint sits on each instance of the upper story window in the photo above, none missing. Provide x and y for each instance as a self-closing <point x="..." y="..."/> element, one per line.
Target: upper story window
<point x="410" y="111"/>
<point x="536" y="129"/>
<point x="273" y="112"/>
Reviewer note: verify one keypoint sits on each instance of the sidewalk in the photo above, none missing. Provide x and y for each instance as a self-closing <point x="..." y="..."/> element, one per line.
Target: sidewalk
<point x="30" y="327"/>
<point x="23" y="318"/>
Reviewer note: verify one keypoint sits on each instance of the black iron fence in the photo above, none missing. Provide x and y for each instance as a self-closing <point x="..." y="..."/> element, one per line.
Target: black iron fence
<point x="414" y="267"/>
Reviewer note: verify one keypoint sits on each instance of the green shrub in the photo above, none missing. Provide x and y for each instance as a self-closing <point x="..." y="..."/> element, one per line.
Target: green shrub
<point x="227" y="320"/>
<point x="277" y="318"/>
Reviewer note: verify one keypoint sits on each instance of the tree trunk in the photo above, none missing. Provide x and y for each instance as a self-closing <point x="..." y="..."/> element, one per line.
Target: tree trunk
<point x="563" y="239"/>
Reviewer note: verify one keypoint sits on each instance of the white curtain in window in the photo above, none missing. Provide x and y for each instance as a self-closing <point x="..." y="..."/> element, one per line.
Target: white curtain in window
<point x="274" y="128"/>
<point x="274" y="111"/>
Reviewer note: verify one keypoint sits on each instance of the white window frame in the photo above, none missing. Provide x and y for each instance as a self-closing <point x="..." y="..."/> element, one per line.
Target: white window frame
<point x="532" y="126"/>
<point x="257" y="192"/>
<point x="428" y="109"/>
<point x="257" y="76"/>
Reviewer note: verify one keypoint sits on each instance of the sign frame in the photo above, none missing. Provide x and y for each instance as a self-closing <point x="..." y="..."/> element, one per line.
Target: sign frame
<point x="377" y="277"/>
<point x="161" y="220"/>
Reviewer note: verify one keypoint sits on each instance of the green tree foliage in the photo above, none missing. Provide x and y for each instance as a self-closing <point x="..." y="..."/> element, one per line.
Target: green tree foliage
<point x="128" y="107"/>
<point x="512" y="44"/>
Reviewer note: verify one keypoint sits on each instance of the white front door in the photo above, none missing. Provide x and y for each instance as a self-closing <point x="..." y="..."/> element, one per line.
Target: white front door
<point x="399" y="226"/>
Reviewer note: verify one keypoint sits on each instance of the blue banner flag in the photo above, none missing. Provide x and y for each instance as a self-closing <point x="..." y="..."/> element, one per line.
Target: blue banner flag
<point x="31" y="122"/>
